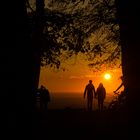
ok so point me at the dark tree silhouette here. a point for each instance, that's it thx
(37, 36)
(129, 30)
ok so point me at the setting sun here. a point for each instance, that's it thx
(107, 76)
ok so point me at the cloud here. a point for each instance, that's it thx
(89, 76)
(76, 77)
(81, 77)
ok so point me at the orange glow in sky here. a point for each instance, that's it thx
(77, 76)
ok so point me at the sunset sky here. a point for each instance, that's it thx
(76, 76)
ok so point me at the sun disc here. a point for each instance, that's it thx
(107, 76)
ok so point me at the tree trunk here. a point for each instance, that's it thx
(127, 12)
(24, 61)
(37, 40)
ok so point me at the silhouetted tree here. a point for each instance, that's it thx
(129, 34)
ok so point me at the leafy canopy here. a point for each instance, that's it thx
(78, 26)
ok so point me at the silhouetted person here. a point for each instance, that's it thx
(89, 90)
(44, 98)
(101, 95)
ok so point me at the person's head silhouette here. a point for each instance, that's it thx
(42, 87)
(101, 84)
(90, 81)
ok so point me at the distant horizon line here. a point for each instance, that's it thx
(67, 91)
(70, 92)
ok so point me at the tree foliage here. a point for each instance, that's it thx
(73, 26)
